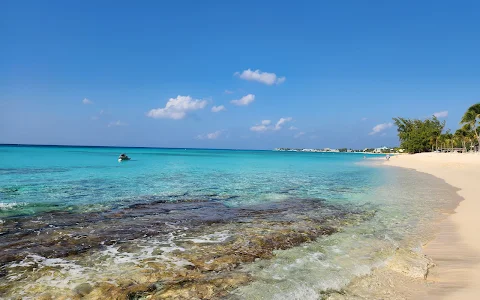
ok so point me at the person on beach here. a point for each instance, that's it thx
(387, 157)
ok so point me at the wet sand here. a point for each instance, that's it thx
(455, 251)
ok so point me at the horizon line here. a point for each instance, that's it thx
(110, 146)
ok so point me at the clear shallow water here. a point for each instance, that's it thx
(203, 223)
(42, 178)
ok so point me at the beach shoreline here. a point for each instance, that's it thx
(455, 249)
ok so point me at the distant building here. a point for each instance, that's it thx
(381, 149)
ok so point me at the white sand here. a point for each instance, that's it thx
(456, 249)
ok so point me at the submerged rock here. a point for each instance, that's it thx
(191, 250)
(410, 263)
(83, 289)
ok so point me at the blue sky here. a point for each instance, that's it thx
(329, 71)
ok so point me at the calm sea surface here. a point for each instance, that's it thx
(188, 223)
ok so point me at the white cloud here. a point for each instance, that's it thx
(292, 128)
(219, 108)
(265, 125)
(259, 128)
(441, 114)
(299, 134)
(245, 100)
(117, 123)
(228, 92)
(281, 80)
(210, 136)
(87, 101)
(363, 119)
(177, 108)
(262, 127)
(263, 77)
(281, 122)
(380, 127)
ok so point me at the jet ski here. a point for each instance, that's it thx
(123, 157)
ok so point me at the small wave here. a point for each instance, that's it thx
(213, 238)
(63, 273)
(9, 205)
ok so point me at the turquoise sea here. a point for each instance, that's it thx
(204, 224)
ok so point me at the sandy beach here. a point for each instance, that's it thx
(456, 248)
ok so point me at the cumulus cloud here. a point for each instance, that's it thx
(177, 108)
(259, 128)
(87, 101)
(210, 136)
(245, 100)
(228, 92)
(281, 122)
(219, 108)
(441, 114)
(380, 127)
(263, 77)
(299, 134)
(266, 125)
(292, 128)
(117, 123)
(281, 80)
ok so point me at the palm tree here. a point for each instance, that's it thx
(469, 136)
(461, 136)
(471, 139)
(471, 118)
(448, 138)
(441, 140)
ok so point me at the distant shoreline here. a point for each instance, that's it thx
(185, 148)
(331, 151)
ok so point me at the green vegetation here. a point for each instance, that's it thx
(418, 135)
(471, 121)
(426, 135)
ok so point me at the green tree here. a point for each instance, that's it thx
(448, 138)
(418, 135)
(460, 136)
(471, 119)
(465, 135)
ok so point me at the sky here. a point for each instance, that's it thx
(233, 74)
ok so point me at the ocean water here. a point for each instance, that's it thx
(45, 178)
(190, 223)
